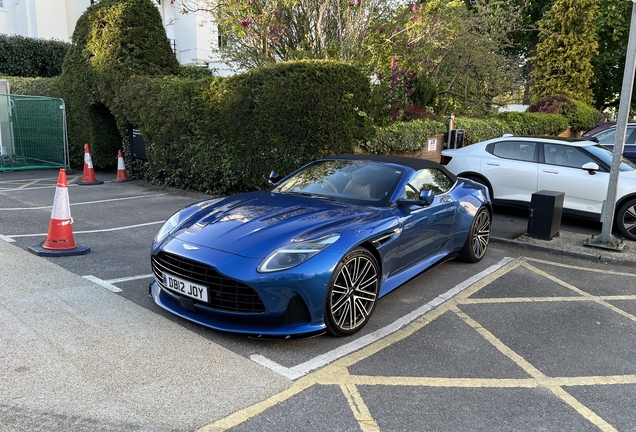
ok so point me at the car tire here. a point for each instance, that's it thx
(626, 219)
(352, 294)
(478, 237)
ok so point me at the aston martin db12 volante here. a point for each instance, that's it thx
(315, 251)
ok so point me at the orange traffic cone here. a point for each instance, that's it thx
(89, 172)
(121, 169)
(59, 240)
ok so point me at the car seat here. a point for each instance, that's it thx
(361, 184)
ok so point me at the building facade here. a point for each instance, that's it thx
(193, 38)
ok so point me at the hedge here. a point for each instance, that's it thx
(29, 57)
(405, 137)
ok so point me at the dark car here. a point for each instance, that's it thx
(606, 138)
(316, 251)
(598, 128)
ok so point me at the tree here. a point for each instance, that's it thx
(612, 27)
(451, 51)
(567, 43)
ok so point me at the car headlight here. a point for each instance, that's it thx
(295, 254)
(168, 226)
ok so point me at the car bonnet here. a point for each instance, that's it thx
(255, 224)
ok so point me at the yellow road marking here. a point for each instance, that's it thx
(338, 374)
(552, 263)
(582, 409)
(359, 409)
(245, 414)
(543, 299)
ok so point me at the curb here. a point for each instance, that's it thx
(603, 258)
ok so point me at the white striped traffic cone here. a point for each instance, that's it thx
(121, 169)
(89, 173)
(59, 241)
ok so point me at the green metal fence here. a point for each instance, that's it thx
(32, 133)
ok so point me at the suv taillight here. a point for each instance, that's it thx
(444, 160)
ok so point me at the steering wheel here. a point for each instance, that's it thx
(326, 184)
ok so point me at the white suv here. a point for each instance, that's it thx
(513, 168)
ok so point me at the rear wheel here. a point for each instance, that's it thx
(478, 238)
(626, 219)
(352, 294)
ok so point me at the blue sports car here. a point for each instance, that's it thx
(317, 250)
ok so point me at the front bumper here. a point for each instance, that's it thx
(293, 300)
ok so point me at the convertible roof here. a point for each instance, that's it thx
(414, 163)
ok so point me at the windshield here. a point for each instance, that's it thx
(354, 181)
(605, 155)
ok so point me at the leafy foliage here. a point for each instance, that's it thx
(288, 114)
(567, 43)
(580, 116)
(612, 28)
(29, 57)
(454, 51)
(403, 137)
(113, 40)
(513, 123)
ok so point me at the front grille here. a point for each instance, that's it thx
(224, 293)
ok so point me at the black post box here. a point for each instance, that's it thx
(546, 209)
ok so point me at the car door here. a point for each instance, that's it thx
(511, 168)
(425, 229)
(560, 170)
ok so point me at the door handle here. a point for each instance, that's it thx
(550, 171)
(493, 163)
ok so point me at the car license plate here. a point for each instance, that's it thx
(187, 288)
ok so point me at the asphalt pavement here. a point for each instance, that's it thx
(73, 356)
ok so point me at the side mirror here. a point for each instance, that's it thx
(593, 139)
(425, 199)
(591, 168)
(274, 178)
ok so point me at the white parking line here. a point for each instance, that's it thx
(109, 284)
(5, 237)
(302, 369)
(102, 283)
(83, 203)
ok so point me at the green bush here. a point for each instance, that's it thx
(477, 130)
(113, 41)
(403, 137)
(580, 116)
(34, 86)
(287, 114)
(533, 123)
(29, 57)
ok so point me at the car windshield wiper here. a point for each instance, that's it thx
(311, 195)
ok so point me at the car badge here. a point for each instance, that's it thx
(190, 247)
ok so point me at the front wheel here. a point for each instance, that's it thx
(626, 219)
(352, 294)
(477, 242)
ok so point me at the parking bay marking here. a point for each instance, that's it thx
(302, 369)
(109, 284)
(11, 237)
(82, 203)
